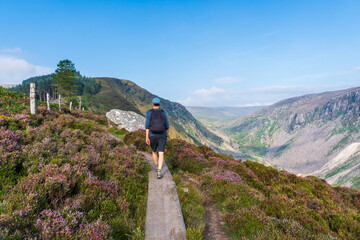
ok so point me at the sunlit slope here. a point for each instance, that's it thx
(261, 202)
(182, 123)
(303, 134)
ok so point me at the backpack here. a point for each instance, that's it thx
(157, 121)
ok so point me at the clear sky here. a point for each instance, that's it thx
(199, 53)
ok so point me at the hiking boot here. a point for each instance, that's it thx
(155, 166)
(159, 175)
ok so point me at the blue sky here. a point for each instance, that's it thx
(199, 53)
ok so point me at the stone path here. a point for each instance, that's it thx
(164, 219)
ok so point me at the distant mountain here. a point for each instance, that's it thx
(217, 114)
(217, 118)
(311, 134)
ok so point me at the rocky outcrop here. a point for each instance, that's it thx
(129, 120)
(305, 134)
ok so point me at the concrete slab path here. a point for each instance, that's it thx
(164, 219)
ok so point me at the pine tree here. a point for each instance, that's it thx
(64, 76)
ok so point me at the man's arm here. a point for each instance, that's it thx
(166, 125)
(147, 126)
(147, 137)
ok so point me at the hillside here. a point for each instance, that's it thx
(103, 94)
(216, 119)
(182, 123)
(216, 115)
(305, 133)
(255, 201)
(62, 176)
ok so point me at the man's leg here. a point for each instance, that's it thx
(155, 157)
(161, 159)
(161, 149)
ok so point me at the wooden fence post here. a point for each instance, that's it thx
(32, 99)
(59, 103)
(48, 101)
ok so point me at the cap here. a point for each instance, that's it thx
(156, 100)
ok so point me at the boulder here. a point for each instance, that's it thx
(129, 120)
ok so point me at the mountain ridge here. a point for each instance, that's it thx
(182, 123)
(302, 134)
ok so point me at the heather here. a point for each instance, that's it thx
(137, 139)
(63, 176)
(260, 202)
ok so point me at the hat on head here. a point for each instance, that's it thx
(156, 100)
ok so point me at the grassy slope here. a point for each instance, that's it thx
(110, 97)
(261, 202)
(182, 123)
(63, 177)
(262, 134)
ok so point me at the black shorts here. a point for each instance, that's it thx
(158, 143)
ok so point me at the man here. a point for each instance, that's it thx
(157, 133)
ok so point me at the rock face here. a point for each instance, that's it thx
(131, 121)
(312, 134)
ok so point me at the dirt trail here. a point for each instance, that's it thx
(214, 224)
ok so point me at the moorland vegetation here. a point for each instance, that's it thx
(257, 201)
(63, 176)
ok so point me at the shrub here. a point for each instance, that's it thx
(137, 138)
(260, 202)
(226, 175)
(64, 177)
(11, 102)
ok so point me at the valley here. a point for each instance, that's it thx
(315, 134)
(305, 135)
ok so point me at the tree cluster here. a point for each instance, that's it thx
(65, 81)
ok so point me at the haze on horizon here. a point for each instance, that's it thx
(199, 53)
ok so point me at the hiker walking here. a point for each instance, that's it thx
(157, 132)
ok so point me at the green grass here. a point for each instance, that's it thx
(119, 133)
(252, 143)
(191, 201)
(260, 202)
